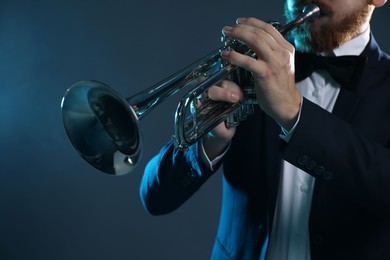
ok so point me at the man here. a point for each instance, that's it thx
(307, 176)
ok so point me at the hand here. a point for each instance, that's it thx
(273, 70)
(215, 141)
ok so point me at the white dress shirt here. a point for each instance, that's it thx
(290, 231)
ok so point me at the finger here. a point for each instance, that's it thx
(258, 40)
(244, 61)
(225, 91)
(261, 37)
(267, 27)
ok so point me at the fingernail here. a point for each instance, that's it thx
(239, 20)
(234, 96)
(227, 29)
(225, 53)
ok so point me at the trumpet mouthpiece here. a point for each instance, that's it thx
(311, 11)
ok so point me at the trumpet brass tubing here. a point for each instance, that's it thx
(104, 128)
(187, 133)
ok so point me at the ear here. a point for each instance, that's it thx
(377, 3)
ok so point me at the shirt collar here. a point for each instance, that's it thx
(355, 46)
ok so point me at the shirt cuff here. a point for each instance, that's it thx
(285, 134)
(205, 159)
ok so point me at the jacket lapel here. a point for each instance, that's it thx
(347, 100)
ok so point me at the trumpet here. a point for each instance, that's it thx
(104, 128)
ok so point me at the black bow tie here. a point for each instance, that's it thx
(345, 70)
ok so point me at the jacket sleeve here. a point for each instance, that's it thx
(338, 154)
(171, 177)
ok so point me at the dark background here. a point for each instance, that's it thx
(53, 205)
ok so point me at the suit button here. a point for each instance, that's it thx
(328, 176)
(310, 165)
(302, 160)
(319, 170)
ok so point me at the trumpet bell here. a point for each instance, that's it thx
(102, 127)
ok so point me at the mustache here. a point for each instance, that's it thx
(295, 9)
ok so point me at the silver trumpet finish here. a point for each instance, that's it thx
(104, 128)
(193, 122)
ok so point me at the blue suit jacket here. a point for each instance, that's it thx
(348, 152)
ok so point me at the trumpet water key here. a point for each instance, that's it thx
(104, 128)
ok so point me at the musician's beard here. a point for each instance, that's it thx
(320, 36)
